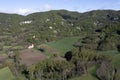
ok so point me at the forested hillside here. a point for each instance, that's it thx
(61, 45)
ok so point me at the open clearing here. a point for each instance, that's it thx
(5, 74)
(30, 57)
(48, 51)
(64, 44)
(116, 61)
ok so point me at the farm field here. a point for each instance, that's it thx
(6, 74)
(64, 44)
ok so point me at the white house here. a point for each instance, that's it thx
(31, 46)
(26, 22)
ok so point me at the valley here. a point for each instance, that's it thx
(60, 45)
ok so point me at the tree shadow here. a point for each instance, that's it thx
(68, 55)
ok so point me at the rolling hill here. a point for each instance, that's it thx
(55, 32)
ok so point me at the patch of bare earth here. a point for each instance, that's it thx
(30, 57)
(3, 57)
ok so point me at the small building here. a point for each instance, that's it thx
(31, 46)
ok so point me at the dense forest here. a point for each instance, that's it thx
(60, 45)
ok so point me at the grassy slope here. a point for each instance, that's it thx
(116, 61)
(5, 74)
(49, 51)
(64, 44)
(111, 52)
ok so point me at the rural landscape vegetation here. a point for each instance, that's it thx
(60, 45)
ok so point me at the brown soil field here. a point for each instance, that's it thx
(30, 57)
(3, 57)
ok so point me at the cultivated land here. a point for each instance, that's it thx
(29, 57)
